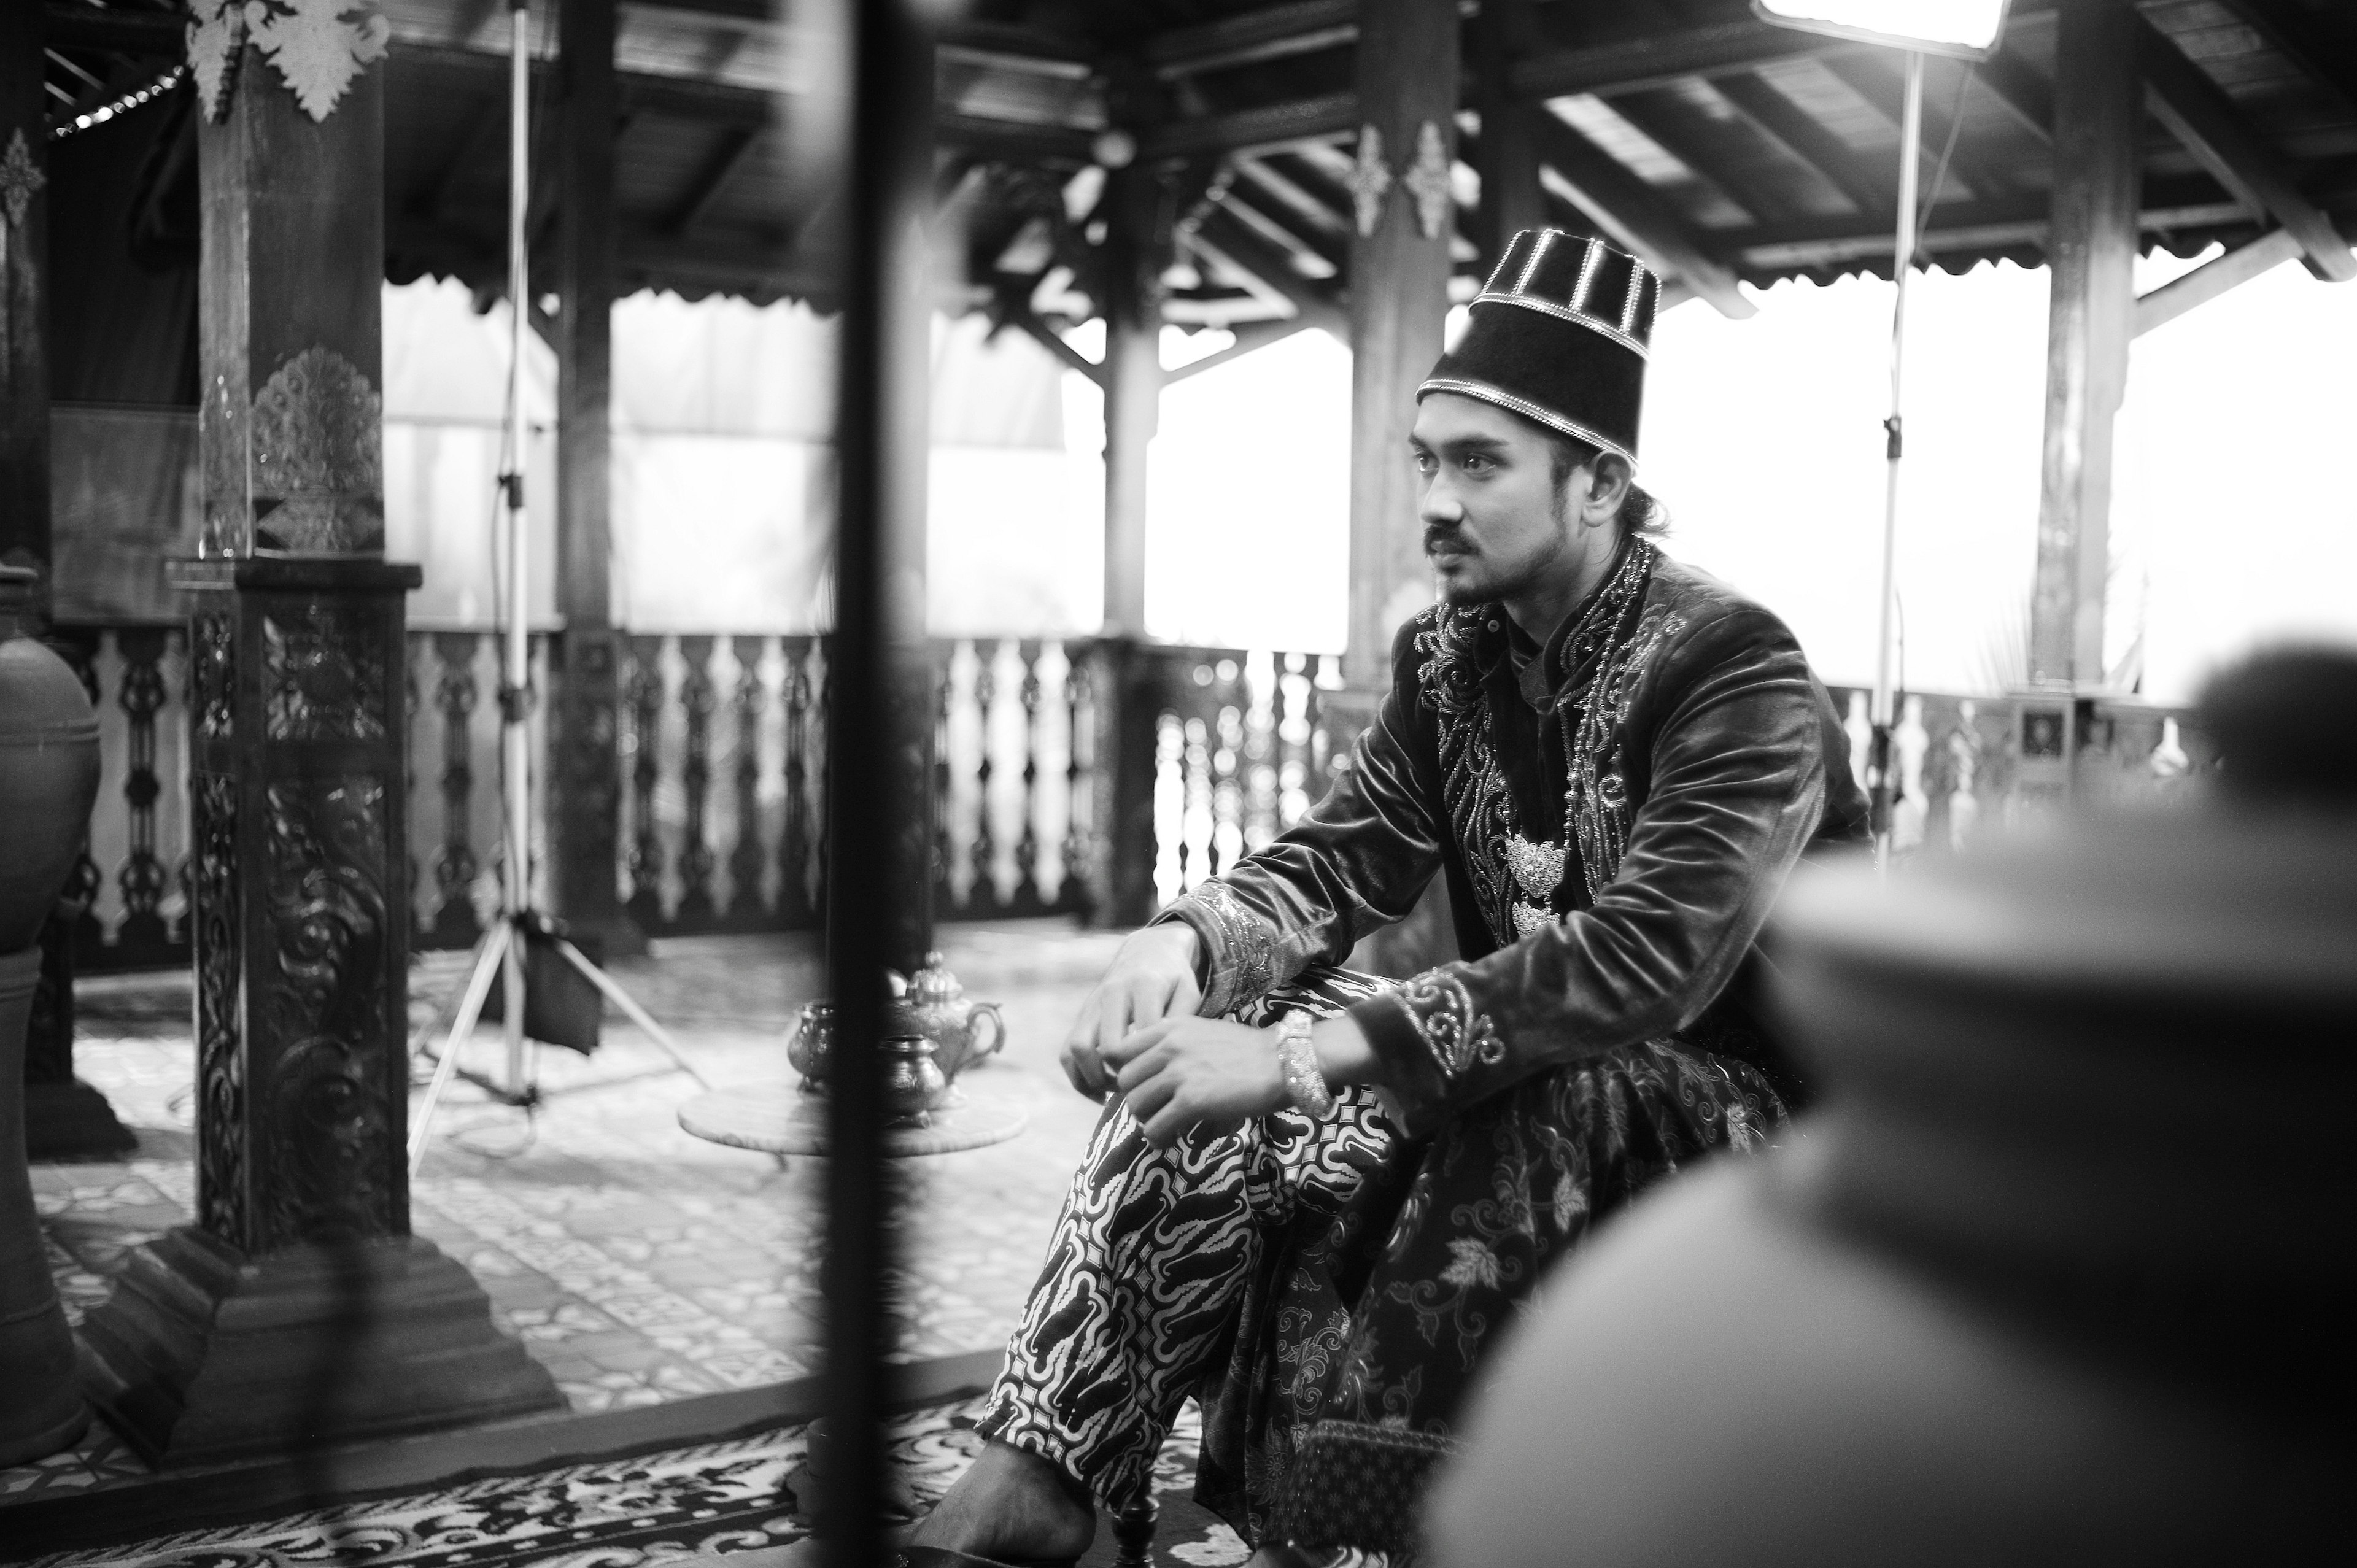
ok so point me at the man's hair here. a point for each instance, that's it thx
(1639, 512)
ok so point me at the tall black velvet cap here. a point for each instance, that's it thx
(1559, 336)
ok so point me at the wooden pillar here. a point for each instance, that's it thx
(1133, 389)
(64, 1118)
(1511, 197)
(1406, 76)
(298, 1310)
(2098, 115)
(585, 775)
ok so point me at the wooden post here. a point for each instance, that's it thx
(64, 1118)
(2098, 117)
(1511, 198)
(1132, 390)
(1407, 67)
(298, 1310)
(1399, 304)
(585, 761)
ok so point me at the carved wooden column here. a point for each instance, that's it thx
(1407, 68)
(2098, 124)
(64, 1118)
(299, 1309)
(1511, 198)
(585, 781)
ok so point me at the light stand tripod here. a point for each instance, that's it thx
(502, 950)
(1883, 794)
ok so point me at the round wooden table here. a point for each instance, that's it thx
(791, 1121)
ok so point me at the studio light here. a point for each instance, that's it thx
(1968, 29)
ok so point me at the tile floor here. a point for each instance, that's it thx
(637, 1263)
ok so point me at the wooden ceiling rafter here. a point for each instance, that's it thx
(1636, 215)
(1226, 237)
(2321, 43)
(729, 157)
(1672, 127)
(1880, 82)
(2200, 114)
(1869, 189)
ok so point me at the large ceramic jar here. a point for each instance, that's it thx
(48, 777)
(2061, 1272)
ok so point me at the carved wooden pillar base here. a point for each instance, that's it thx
(299, 1310)
(204, 1353)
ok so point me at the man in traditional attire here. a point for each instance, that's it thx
(1316, 1197)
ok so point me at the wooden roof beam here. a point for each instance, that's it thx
(1658, 60)
(2214, 277)
(2322, 43)
(729, 156)
(1869, 189)
(1670, 126)
(1246, 133)
(2199, 114)
(1875, 79)
(1636, 216)
(1276, 32)
(1223, 237)
(2014, 84)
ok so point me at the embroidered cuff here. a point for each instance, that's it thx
(1427, 1034)
(1244, 956)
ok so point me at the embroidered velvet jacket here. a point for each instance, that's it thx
(1717, 761)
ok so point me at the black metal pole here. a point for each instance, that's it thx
(877, 785)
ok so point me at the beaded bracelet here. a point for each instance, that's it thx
(1297, 1059)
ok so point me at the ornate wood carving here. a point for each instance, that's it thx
(143, 878)
(745, 861)
(454, 863)
(220, 1074)
(697, 699)
(319, 688)
(332, 1152)
(645, 689)
(795, 890)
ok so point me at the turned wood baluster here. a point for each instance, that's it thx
(746, 861)
(696, 699)
(455, 925)
(793, 838)
(413, 653)
(1026, 844)
(984, 895)
(1133, 1533)
(142, 878)
(645, 689)
(1073, 894)
(941, 860)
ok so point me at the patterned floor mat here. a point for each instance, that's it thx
(711, 1500)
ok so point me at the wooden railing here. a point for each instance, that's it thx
(1094, 780)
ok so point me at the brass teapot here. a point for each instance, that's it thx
(935, 1008)
(931, 1006)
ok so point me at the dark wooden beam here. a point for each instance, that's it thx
(2098, 120)
(1671, 126)
(727, 158)
(1013, 307)
(1247, 132)
(1869, 189)
(1637, 217)
(1658, 60)
(2199, 114)
(2321, 43)
(1275, 32)
(2214, 277)
(2014, 84)
(2182, 202)
(1330, 222)
(1512, 198)
(1315, 256)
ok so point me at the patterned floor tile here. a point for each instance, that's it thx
(637, 1263)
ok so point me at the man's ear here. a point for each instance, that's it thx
(1609, 478)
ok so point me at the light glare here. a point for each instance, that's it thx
(1968, 28)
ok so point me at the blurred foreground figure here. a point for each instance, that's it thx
(2060, 1274)
(1314, 1227)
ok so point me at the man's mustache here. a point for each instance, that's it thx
(1439, 539)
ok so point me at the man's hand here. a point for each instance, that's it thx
(1152, 978)
(1196, 1072)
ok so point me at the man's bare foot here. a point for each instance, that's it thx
(1011, 1504)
